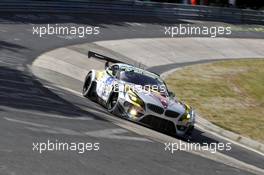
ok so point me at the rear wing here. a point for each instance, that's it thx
(102, 57)
(109, 59)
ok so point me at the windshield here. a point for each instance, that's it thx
(143, 80)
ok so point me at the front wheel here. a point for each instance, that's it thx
(112, 104)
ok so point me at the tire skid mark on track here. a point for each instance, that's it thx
(105, 133)
(42, 114)
(32, 99)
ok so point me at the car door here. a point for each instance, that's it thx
(105, 86)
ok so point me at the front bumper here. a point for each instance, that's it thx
(156, 119)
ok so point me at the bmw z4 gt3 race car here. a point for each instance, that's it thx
(138, 95)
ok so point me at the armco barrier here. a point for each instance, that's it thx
(126, 7)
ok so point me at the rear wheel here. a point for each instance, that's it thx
(89, 87)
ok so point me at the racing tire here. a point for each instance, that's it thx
(89, 87)
(112, 104)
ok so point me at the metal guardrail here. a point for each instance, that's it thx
(126, 7)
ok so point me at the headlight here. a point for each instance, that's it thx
(188, 115)
(135, 99)
(132, 96)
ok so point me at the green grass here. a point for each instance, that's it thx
(230, 94)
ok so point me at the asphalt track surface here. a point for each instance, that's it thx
(30, 112)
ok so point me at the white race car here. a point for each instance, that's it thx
(140, 96)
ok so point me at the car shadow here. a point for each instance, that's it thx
(197, 136)
(20, 91)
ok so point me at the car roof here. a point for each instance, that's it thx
(128, 67)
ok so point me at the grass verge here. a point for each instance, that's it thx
(230, 94)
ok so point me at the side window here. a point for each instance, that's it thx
(120, 74)
(115, 69)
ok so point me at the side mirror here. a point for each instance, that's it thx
(171, 94)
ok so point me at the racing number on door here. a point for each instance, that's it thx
(107, 87)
